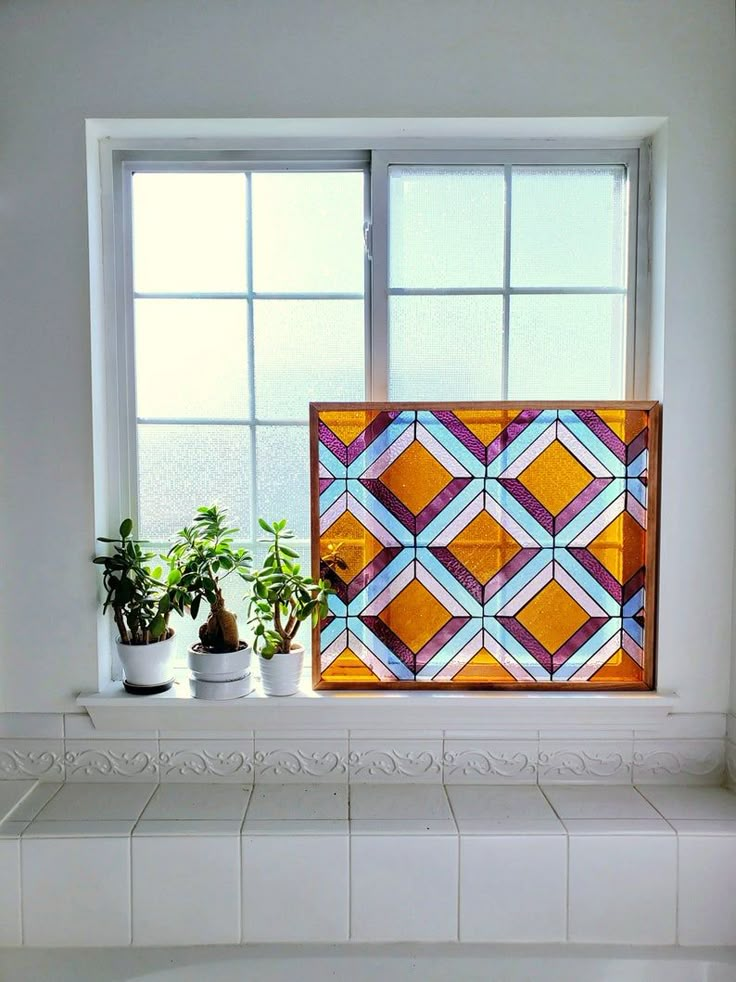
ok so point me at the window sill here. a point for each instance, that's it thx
(114, 709)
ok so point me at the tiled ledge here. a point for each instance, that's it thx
(110, 865)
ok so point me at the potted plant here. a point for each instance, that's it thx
(141, 603)
(281, 599)
(206, 555)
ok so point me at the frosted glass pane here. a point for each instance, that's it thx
(446, 227)
(566, 347)
(282, 465)
(308, 233)
(445, 348)
(183, 467)
(191, 358)
(189, 233)
(307, 350)
(568, 226)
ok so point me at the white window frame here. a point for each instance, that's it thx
(112, 157)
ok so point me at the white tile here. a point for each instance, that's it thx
(10, 931)
(197, 801)
(617, 826)
(295, 826)
(485, 736)
(402, 826)
(186, 890)
(11, 793)
(76, 892)
(208, 760)
(280, 761)
(40, 795)
(395, 760)
(707, 899)
(111, 760)
(688, 802)
(298, 801)
(97, 801)
(494, 810)
(599, 801)
(41, 760)
(513, 888)
(731, 727)
(703, 826)
(404, 888)
(189, 826)
(573, 761)
(33, 726)
(491, 761)
(12, 830)
(79, 828)
(622, 889)
(296, 888)
(78, 726)
(395, 801)
(679, 761)
(687, 726)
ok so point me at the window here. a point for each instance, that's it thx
(248, 284)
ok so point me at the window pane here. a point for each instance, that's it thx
(282, 455)
(307, 350)
(567, 226)
(183, 467)
(308, 232)
(445, 347)
(566, 347)
(191, 358)
(446, 227)
(189, 233)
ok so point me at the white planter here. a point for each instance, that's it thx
(219, 666)
(282, 673)
(147, 666)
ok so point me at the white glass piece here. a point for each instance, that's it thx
(566, 347)
(568, 226)
(308, 232)
(181, 467)
(191, 358)
(189, 233)
(446, 227)
(445, 348)
(307, 350)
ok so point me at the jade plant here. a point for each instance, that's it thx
(206, 555)
(140, 599)
(281, 596)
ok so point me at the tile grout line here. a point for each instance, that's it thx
(459, 857)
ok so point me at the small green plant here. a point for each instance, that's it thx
(140, 600)
(205, 554)
(281, 596)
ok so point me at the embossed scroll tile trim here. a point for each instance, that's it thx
(39, 759)
(417, 761)
(121, 760)
(210, 761)
(491, 762)
(607, 762)
(280, 762)
(679, 761)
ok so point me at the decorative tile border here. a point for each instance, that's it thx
(491, 762)
(207, 761)
(280, 761)
(603, 761)
(39, 759)
(679, 761)
(385, 761)
(115, 760)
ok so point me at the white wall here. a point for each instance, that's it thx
(64, 60)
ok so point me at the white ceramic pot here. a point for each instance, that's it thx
(219, 666)
(147, 666)
(281, 674)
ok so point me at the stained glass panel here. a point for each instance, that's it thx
(488, 545)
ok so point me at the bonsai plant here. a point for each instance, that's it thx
(281, 599)
(206, 555)
(141, 603)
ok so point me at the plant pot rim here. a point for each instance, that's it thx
(200, 652)
(151, 644)
(296, 648)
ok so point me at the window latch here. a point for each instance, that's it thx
(368, 239)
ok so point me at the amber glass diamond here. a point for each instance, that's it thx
(620, 547)
(555, 477)
(350, 541)
(416, 477)
(486, 424)
(483, 667)
(552, 616)
(484, 547)
(415, 615)
(346, 425)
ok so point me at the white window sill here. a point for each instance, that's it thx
(114, 709)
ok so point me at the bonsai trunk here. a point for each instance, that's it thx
(220, 631)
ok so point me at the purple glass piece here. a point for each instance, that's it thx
(578, 639)
(604, 433)
(371, 571)
(430, 649)
(639, 443)
(445, 496)
(369, 434)
(333, 444)
(453, 566)
(460, 431)
(384, 634)
(527, 501)
(390, 502)
(508, 572)
(580, 501)
(599, 572)
(507, 436)
(535, 648)
(632, 587)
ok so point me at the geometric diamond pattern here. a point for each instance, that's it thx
(491, 545)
